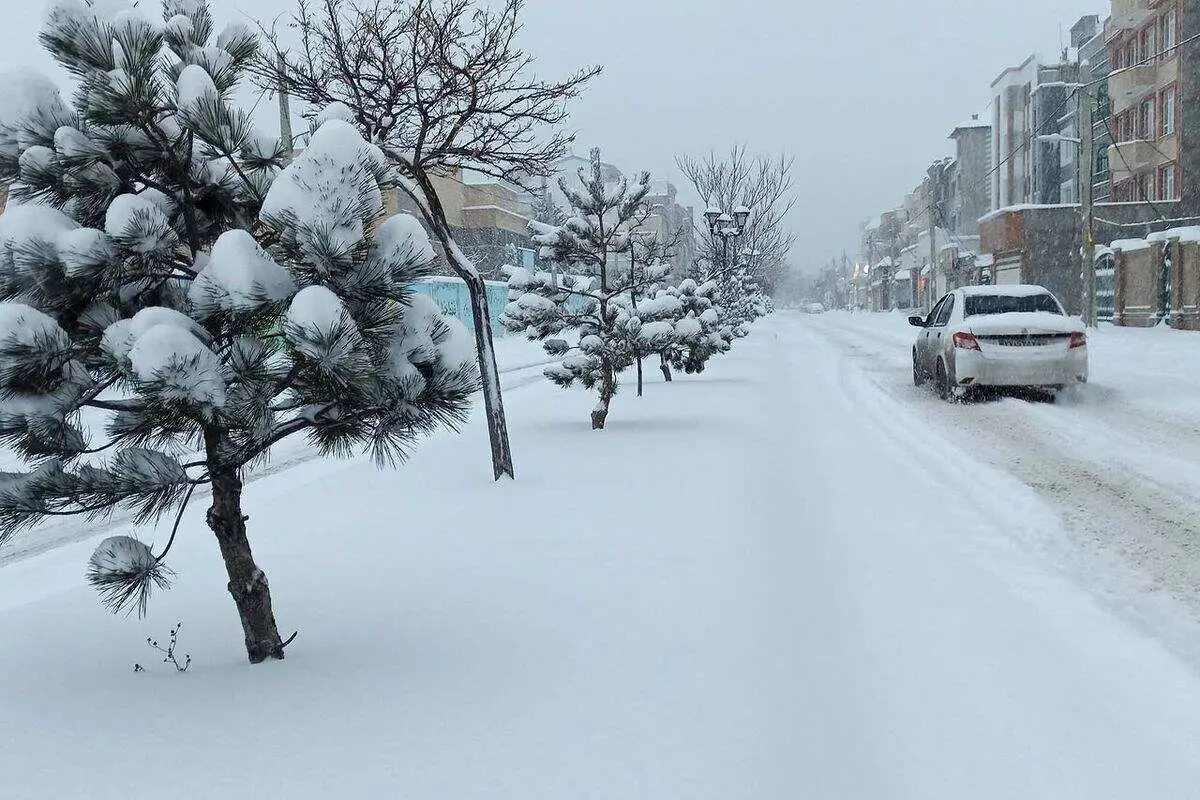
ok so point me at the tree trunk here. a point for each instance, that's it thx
(639, 367)
(247, 583)
(665, 366)
(493, 401)
(608, 388)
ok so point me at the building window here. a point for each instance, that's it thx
(1146, 127)
(1145, 186)
(1168, 30)
(1168, 190)
(1168, 112)
(1148, 41)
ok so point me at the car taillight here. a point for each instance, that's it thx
(1078, 340)
(966, 341)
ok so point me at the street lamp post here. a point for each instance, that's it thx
(726, 227)
(1085, 167)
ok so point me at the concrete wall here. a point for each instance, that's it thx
(1140, 270)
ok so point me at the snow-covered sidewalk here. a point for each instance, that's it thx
(755, 584)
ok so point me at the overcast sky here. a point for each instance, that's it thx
(863, 94)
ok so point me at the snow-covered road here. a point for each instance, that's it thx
(778, 580)
(1117, 461)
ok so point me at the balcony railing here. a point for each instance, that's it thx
(1128, 15)
(1127, 86)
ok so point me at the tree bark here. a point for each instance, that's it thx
(493, 401)
(608, 388)
(665, 367)
(639, 370)
(247, 583)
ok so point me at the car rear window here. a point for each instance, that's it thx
(981, 305)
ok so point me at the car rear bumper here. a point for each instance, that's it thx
(973, 368)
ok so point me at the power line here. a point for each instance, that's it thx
(1143, 62)
(1131, 170)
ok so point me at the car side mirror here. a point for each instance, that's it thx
(917, 321)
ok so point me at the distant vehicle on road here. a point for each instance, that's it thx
(814, 308)
(999, 336)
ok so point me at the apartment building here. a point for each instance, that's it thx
(970, 196)
(1088, 35)
(1012, 126)
(1154, 132)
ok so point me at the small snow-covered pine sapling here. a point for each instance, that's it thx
(595, 246)
(698, 332)
(650, 252)
(174, 302)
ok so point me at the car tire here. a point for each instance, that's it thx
(942, 382)
(919, 377)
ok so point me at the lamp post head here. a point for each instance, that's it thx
(711, 216)
(741, 216)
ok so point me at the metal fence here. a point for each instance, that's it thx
(453, 299)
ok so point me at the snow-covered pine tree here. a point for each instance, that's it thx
(739, 301)
(595, 243)
(650, 254)
(545, 209)
(698, 331)
(173, 304)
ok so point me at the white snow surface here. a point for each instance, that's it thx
(652, 331)
(316, 307)
(400, 235)
(188, 370)
(318, 186)
(120, 337)
(24, 324)
(809, 630)
(127, 212)
(28, 222)
(195, 86)
(240, 275)
(24, 92)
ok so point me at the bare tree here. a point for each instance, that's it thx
(439, 85)
(763, 184)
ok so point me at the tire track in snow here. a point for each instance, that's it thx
(1121, 481)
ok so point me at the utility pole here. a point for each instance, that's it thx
(1086, 154)
(931, 284)
(285, 114)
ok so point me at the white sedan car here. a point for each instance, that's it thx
(999, 336)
